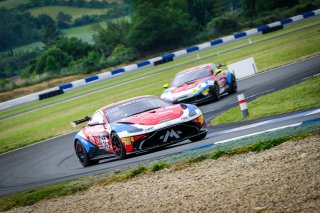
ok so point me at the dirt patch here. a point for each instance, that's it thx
(283, 179)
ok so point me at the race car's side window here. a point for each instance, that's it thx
(213, 68)
(96, 118)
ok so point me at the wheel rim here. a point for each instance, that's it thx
(117, 146)
(80, 152)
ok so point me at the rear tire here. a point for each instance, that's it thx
(83, 155)
(216, 92)
(233, 86)
(198, 137)
(118, 147)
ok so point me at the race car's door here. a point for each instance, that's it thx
(97, 132)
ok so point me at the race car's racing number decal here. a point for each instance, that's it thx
(104, 141)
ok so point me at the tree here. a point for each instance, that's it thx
(63, 20)
(51, 60)
(229, 23)
(107, 38)
(254, 7)
(51, 34)
(204, 10)
(249, 7)
(17, 29)
(43, 21)
(159, 25)
(74, 47)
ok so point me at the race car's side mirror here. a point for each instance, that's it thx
(166, 86)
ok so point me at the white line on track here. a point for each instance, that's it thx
(258, 133)
(276, 120)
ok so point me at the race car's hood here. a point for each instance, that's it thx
(155, 116)
(186, 86)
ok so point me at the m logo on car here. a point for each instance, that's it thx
(170, 133)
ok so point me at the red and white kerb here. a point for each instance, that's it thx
(243, 105)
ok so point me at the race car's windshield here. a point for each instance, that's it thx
(187, 77)
(133, 107)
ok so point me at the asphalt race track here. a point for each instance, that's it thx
(54, 160)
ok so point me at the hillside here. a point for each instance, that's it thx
(75, 12)
(15, 3)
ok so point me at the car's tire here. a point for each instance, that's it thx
(198, 137)
(233, 86)
(83, 155)
(118, 147)
(216, 91)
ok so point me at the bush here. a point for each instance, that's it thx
(121, 54)
(227, 24)
(305, 7)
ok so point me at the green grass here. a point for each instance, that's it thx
(13, 3)
(71, 187)
(301, 96)
(29, 47)
(47, 122)
(75, 12)
(33, 196)
(85, 33)
(157, 166)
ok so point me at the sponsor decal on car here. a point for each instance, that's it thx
(170, 133)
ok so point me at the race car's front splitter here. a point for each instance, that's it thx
(169, 135)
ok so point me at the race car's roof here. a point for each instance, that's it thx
(126, 100)
(192, 69)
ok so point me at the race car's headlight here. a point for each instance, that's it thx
(194, 112)
(203, 84)
(167, 95)
(134, 130)
(127, 139)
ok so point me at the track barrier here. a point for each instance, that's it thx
(50, 94)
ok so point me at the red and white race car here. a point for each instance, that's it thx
(200, 84)
(136, 125)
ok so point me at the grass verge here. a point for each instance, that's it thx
(75, 12)
(71, 187)
(33, 196)
(301, 96)
(48, 122)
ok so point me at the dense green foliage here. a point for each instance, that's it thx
(76, 3)
(154, 26)
(17, 29)
(157, 26)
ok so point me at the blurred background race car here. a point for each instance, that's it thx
(136, 125)
(200, 84)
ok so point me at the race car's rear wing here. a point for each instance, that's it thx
(76, 122)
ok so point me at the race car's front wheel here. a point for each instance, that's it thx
(118, 147)
(83, 156)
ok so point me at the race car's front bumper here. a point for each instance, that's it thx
(168, 135)
(201, 97)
